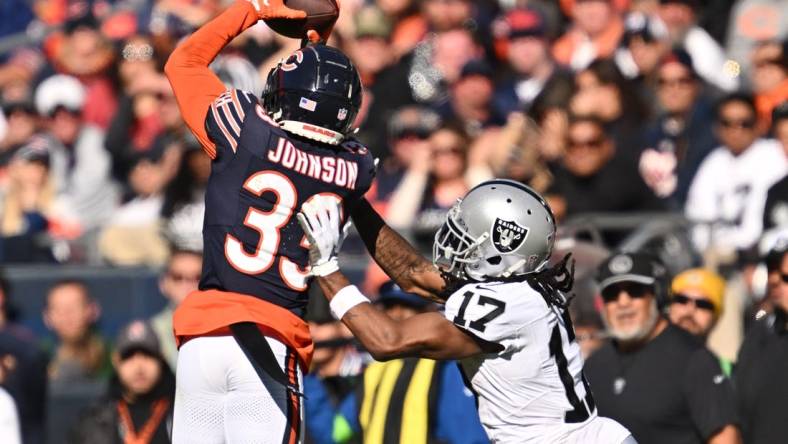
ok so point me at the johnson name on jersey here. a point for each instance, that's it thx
(260, 177)
(536, 377)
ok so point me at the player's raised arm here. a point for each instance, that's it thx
(398, 258)
(428, 335)
(194, 84)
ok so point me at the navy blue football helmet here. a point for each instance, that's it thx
(315, 93)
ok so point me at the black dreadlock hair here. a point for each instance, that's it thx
(552, 283)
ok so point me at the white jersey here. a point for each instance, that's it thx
(728, 194)
(534, 387)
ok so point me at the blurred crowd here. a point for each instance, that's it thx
(653, 125)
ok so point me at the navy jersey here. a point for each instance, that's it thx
(260, 177)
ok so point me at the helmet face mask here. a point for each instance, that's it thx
(453, 247)
(499, 229)
(314, 93)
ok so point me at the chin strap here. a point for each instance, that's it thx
(512, 268)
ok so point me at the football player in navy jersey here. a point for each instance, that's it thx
(243, 344)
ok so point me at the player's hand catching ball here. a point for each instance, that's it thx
(320, 220)
(275, 9)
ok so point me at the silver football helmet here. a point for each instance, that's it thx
(499, 229)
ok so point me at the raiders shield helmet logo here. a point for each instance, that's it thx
(508, 236)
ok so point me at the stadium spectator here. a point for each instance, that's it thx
(708, 57)
(181, 276)
(370, 48)
(470, 101)
(28, 196)
(84, 52)
(433, 65)
(775, 213)
(86, 195)
(80, 353)
(521, 40)
(184, 198)
(643, 45)
(444, 15)
(603, 92)
(697, 303)
(760, 376)
(437, 403)
(22, 369)
(138, 405)
(769, 77)
(515, 151)
(373, 54)
(133, 236)
(653, 373)
(437, 174)
(20, 116)
(145, 93)
(681, 137)
(595, 177)
(730, 211)
(408, 131)
(594, 33)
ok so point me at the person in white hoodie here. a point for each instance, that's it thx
(86, 194)
(727, 196)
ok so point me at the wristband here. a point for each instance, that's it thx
(345, 299)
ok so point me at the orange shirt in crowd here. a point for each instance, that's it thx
(605, 43)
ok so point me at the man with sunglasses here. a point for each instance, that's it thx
(652, 373)
(696, 301)
(696, 304)
(761, 382)
(596, 175)
(727, 195)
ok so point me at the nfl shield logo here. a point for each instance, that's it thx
(342, 114)
(508, 236)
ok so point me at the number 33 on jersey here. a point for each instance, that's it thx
(260, 177)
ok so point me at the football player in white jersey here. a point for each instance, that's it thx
(505, 317)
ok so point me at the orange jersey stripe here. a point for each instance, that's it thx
(294, 422)
(204, 312)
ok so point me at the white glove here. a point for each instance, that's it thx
(320, 221)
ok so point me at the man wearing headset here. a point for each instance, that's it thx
(654, 378)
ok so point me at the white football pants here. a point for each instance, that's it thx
(597, 430)
(221, 398)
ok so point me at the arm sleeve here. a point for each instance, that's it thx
(226, 116)
(709, 395)
(456, 401)
(194, 84)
